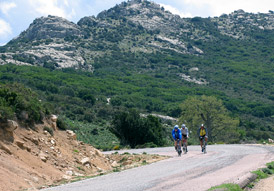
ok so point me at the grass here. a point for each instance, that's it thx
(228, 187)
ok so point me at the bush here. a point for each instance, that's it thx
(131, 129)
(61, 124)
(48, 130)
(260, 174)
(21, 101)
(116, 147)
(267, 171)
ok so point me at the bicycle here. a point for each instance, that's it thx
(204, 146)
(184, 146)
(178, 148)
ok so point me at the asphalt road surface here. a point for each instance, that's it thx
(194, 171)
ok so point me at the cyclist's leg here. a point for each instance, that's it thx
(175, 145)
(201, 142)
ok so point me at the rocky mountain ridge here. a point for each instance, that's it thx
(133, 26)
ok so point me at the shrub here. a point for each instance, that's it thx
(267, 171)
(116, 147)
(21, 101)
(131, 129)
(260, 174)
(48, 130)
(61, 124)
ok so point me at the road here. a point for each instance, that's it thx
(194, 171)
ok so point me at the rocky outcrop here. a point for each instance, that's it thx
(7, 129)
(51, 27)
(53, 120)
(132, 26)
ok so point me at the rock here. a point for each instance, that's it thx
(71, 135)
(85, 161)
(270, 140)
(35, 179)
(5, 148)
(53, 118)
(78, 174)
(11, 126)
(114, 164)
(70, 173)
(66, 177)
(28, 148)
(53, 142)
(35, 141)
(20, 144)
(246, 179)
(43, 156)
(99, 153)
(47, 133)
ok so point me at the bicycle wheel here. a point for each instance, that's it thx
(179, 148)
(184, 147)
(204, 146)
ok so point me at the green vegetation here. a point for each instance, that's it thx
(134, 130)
(50, 130)
(131, 72)
(17, 101)
(212, 113)
(261, 174)
(265, 172)
(97, 135)
(227, 187)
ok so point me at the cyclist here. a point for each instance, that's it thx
(184, 131)
(202, 133)
(177, 134)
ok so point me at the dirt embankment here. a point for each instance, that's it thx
(35, 158)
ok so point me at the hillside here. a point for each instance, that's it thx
(43, 157)
(137, 55)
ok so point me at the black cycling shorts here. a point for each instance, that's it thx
(184, 136)
(201, 137)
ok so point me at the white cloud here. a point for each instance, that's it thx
(211, 8)
(5, 28)
(6, 6)
(51, 7)
(175, 11)
(66, 3)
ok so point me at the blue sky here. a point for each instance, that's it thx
(17, 15)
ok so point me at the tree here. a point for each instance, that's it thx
(211, 112)
(135, 130)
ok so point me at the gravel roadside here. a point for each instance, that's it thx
(265, 185)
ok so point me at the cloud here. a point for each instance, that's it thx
(6, 6)
(5, 28)
(52, 7)
(211, 8)
(175, 11)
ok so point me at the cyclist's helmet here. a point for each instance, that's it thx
(202, 125)
(183, 126)
(176, 127)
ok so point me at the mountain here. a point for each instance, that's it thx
(138, 55)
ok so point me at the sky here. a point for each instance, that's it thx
(17, 15)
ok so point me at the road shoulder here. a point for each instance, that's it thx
(264, 184)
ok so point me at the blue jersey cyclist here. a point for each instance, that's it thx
(177, 135)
